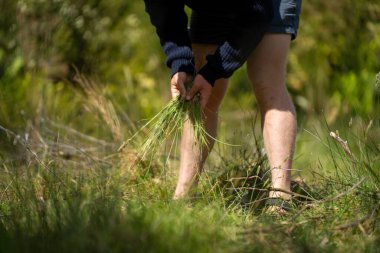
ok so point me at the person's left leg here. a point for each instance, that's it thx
(267, 73)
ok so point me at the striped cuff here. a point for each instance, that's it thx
(179, 58)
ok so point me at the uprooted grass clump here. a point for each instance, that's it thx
(169, 122)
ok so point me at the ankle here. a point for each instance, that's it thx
(280, 193)
(183, 190)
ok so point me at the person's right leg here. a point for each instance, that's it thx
(193, 157)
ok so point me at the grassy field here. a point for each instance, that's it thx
(64, 187)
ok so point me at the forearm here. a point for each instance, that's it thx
(170, 20)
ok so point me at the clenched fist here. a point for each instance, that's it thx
(203, 87)
(178, 84)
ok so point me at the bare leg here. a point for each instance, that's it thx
(267, 73)
(193, 158)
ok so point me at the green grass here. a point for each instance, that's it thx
(169, 123)
(56, 206)
(65, 188)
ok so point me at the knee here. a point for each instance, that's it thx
(212, 106)
(268, 89)
(216, 97)
(272, 94)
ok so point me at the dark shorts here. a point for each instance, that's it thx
(213, 28)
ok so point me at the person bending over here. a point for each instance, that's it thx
(223, 35)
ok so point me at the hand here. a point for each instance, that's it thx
(178, 84)
(203, 87)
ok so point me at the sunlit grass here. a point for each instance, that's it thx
(64, 190)
(167, 123)
(51, 207)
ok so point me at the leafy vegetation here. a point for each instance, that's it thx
(77, 78)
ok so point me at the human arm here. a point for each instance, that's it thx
(170, 20)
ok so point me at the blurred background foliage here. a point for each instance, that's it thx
(332, 64)
(78, 77)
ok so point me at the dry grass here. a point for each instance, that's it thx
(96, 102)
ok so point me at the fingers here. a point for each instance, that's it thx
(181, 88)
(175, 92)
(191, 93)
(203, 87)
(178, 84)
